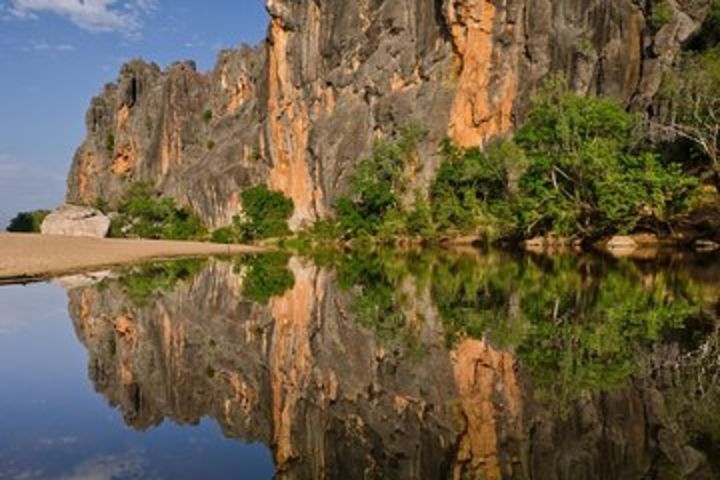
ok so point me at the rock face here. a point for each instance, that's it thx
(299, 111)
(76, 221)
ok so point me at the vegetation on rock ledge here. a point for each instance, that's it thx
(578, 168)
(265, 215)
(143, 213)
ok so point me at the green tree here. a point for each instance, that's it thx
(377, 186)
(28, 222)
(691, 103)
(266, 213)
(575, 169)
(472, 186)
(143, 213)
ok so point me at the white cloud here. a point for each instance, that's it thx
(43, 46)
(91, 15)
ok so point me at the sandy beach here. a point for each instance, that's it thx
(27, 257)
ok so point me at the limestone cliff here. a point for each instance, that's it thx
(300, 110)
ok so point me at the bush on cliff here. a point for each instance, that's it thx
(374, 206)
(475, 188)
(28, 222)
(265, 215)
(143, 213)
(709, 34)
(662, 14)
(691, 106)
(574, 169)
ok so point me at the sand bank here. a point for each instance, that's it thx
(26, 257)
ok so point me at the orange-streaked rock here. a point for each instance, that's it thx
(486, 87)
(289, 127)
(125, 159)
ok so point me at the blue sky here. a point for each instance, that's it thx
(57, 54)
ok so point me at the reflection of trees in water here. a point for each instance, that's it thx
(693, 391)
(577, 324)
(379, 367)
(142, 283)
(265, 276)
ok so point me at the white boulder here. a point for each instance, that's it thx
(74, 221)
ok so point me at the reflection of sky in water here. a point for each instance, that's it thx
(53, 424)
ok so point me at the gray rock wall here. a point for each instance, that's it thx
(299, 111)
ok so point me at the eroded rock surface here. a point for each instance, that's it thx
(299, 111)
(75, 221)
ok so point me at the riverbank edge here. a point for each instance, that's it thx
(30, 258)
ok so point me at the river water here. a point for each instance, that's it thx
(386, 364)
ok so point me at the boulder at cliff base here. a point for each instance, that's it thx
(76, 221)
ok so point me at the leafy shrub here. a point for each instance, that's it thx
(377, 186)
(225, 235)
(28, 222)
(662, 14)
(110, 143)
(207, 116)
(573, 169)
(265, 215)
(143, 213)
(471, 184)
(102, 205)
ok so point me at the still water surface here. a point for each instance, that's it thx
(375, 365)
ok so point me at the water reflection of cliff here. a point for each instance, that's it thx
(421, 366)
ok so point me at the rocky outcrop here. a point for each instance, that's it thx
(75, 221)
(300, 110)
